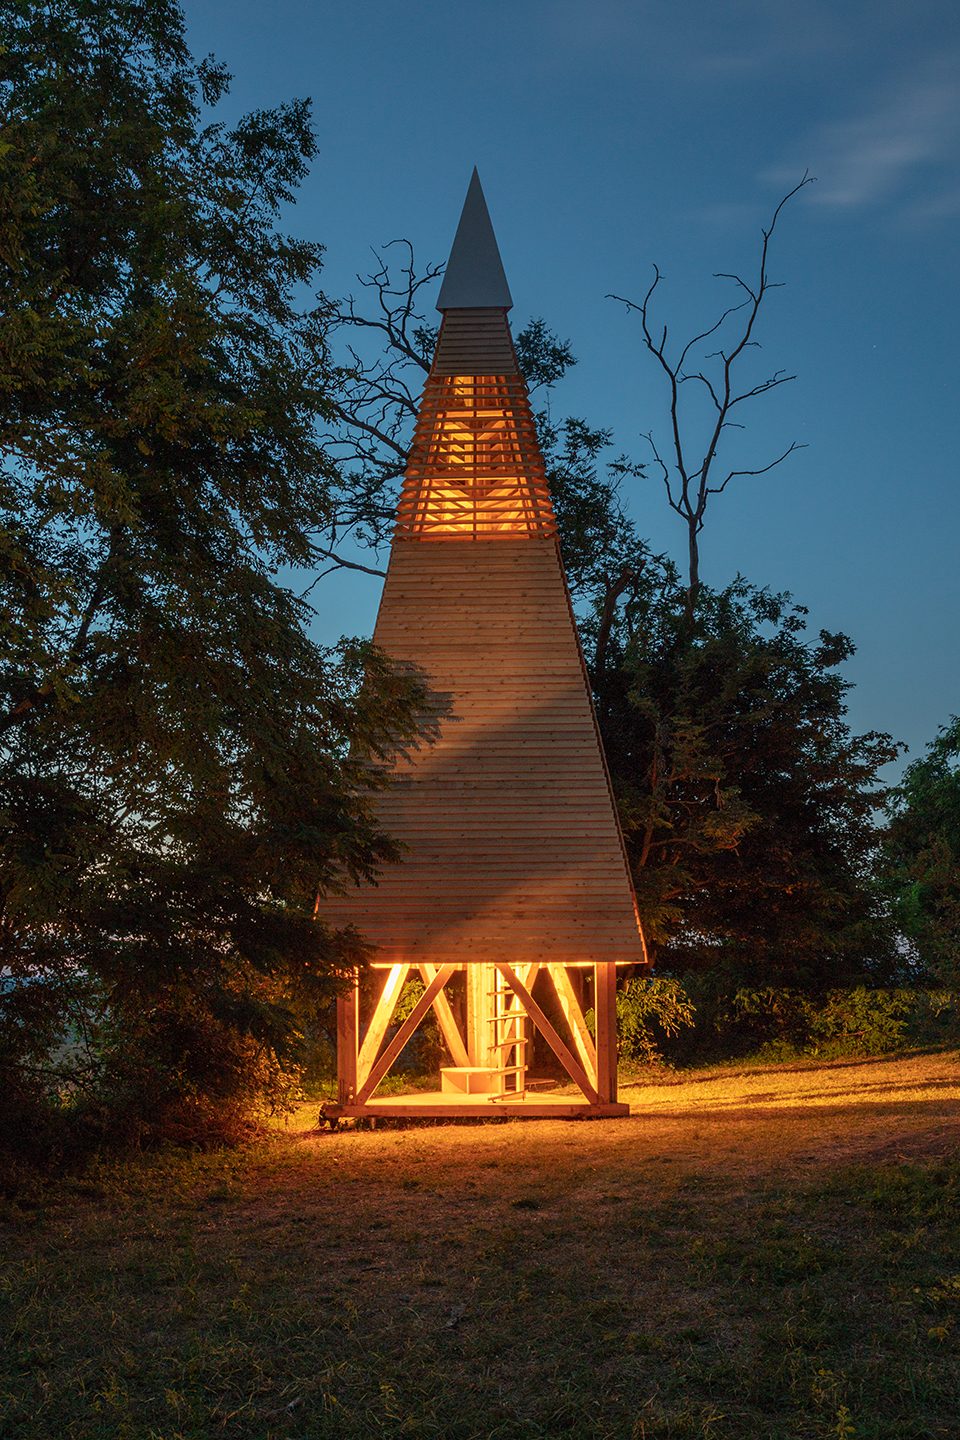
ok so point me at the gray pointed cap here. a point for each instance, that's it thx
(474, 278)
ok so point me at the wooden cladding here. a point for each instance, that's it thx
(475, 342)
(513, 847)
(475, 471)
(513, 851)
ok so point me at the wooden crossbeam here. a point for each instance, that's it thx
(569, 1062)
(380, 1020)
(406, 1030)
(573, 1014)
(446, 1019)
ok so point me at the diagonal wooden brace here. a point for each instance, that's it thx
(380, 1020)
(570, 1005)
(409, 1026)
(449, 1028)
(563, 1054)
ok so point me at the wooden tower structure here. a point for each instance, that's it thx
(513, 904)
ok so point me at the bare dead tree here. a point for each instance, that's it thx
(693, 475)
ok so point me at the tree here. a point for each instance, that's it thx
(691, 479)
(921, 855)
(181, 766)
(746, 801)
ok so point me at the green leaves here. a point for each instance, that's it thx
(181, 767)
(747, 803)
(921, 855)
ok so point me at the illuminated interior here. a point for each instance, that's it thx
(475, 469)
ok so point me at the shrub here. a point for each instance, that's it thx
(860, 1022)
(778, 1023)
(650, 1011)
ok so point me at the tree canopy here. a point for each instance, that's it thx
(746, 800)
(921, 866)
(181, 766)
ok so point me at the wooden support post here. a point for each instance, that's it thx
(348, 1040)
(605, 1009)
(481, 979)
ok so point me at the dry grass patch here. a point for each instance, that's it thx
(766, 1254)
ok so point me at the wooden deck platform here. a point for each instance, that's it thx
(444, 1104)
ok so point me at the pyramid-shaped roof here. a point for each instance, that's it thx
(474, 278)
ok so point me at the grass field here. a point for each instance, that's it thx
(768, 1254)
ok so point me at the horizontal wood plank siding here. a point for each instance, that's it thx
(475, 342)
(513, 849)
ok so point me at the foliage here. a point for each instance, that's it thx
(602, 551)
(861, 1021)
(855, 1021)
(181, 766)
(921, 855)
(746, 800)
(778, 1022)
(650, 1011)
(424, 1052)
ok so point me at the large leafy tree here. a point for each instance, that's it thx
(746, 799)
(181, 767)
(921, 862)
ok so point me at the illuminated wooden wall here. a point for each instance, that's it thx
(515, 861)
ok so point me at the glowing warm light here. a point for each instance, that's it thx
(475, 469)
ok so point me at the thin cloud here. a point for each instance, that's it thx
(943, 206)
(904, 148)
(752, 37)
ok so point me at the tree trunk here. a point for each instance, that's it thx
(693, 585)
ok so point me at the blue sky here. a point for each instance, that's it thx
(612, 134)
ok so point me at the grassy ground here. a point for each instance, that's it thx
(769, 1254)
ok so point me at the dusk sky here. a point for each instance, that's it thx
(611, 135)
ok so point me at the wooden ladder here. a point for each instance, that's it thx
(509, 1019)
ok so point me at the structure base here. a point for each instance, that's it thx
(444, 1105)
(488, 1075)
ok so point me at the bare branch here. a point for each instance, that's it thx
(737, 280)
(360, 424)
(340, 563)
(397, 305)
(777, 378)
(731, 310)
(705, 380)
(664, 472)
(794, 445)
(690, 497)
